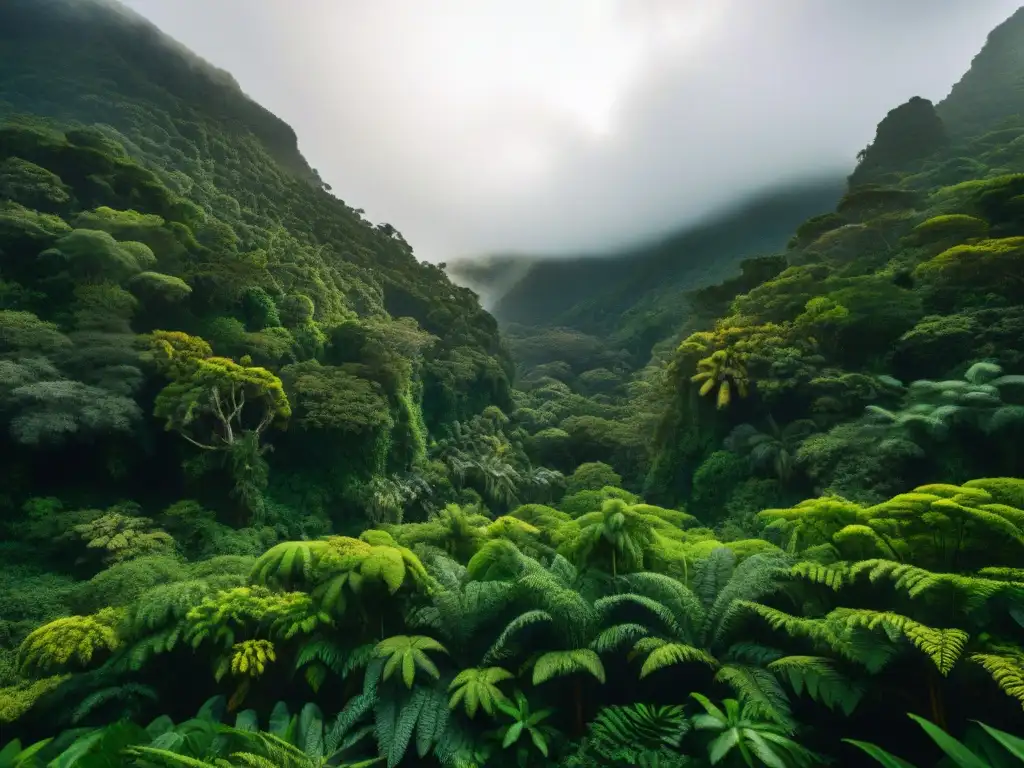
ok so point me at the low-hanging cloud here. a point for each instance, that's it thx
(566, 126)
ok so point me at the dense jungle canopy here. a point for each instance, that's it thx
(275, 493)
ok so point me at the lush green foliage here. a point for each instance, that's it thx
(255, 455)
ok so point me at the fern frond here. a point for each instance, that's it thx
(288, 564)
(754, 578)
(974, 591)
(833, 632)
(942, 646)
(639, 727)
(606, 605)
(713, 574)
(560, 663)
(833, 575)
(433, 720)
(1003, 574)
(615, 637)
(759, 690)
(395, 724)
(501, 647)
(681, 600)
(662, 654)
(822, 681)
(1007, 669)
(97, 699)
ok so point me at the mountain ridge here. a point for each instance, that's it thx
(145, 46)
(593, 293)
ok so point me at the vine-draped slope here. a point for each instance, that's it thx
(271, 495)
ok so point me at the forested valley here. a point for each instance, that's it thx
(275, 493)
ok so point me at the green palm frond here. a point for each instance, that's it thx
(743, 731)
(288, 564)
(478, 688)
(408, 653)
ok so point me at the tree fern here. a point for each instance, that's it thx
(457, 610)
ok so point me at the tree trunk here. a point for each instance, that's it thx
(938, 709)
(578, 696)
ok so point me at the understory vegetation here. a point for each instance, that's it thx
(274, 493)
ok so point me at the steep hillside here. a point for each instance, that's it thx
(114, 140)
(992, 90)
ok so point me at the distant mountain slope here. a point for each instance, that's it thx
(992, 90)
(634, 294)
(633, 298)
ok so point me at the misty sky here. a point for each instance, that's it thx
(554, 126)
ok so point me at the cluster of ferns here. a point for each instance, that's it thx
(543, 637)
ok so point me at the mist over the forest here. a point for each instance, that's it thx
(553, 128)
